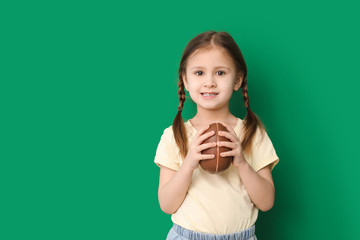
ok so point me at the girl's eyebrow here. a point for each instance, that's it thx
(215, 67)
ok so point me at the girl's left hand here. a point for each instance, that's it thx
(234, 144)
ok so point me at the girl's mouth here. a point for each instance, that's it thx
(209, 95)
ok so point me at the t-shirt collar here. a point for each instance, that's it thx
(194, 131)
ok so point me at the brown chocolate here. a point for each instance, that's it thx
(218, 163)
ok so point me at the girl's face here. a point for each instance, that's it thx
(210, 78)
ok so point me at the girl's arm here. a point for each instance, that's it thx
(173, 185)
(259, 185)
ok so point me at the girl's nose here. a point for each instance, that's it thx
(210, 82)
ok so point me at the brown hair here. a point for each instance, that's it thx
(224, 40)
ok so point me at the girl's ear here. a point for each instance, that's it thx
(238, 82)
(185, 81)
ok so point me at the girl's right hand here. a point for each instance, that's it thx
(194, 155)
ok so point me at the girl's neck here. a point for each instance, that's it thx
(203, 118)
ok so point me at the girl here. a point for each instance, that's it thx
(223, 205)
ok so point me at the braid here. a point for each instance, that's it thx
(181, 93)
(178, 126)
(251, 122)
(245, 93)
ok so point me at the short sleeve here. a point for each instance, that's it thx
(262, 152)
(167, 152)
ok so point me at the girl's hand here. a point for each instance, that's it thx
(235, 145)
(194, 154)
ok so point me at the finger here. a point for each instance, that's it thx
(228, 135)
(227, 154)
(206, 146)
(201, 131)
(227, 144)
(205, 136)
(229, 128)
(206, 156)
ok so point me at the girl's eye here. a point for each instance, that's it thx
(199, 73)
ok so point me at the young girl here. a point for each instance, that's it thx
(223, 205)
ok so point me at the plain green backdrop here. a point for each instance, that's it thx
(87, 88)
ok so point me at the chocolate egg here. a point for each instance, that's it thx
(218, 163)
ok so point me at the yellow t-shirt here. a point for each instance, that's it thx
(216, 203)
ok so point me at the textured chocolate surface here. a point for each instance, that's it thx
(218, 163)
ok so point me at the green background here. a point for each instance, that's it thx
(88, 87)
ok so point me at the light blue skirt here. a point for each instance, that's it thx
(179, 233)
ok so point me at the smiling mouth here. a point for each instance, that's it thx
(209, 94)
